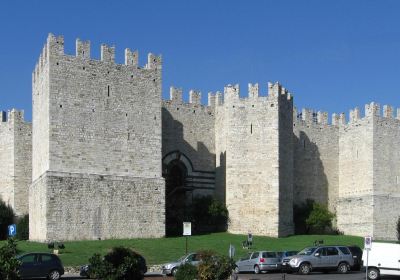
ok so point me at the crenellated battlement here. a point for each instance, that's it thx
(309, 116)
(55, 46)
(176, 96)
(11, 116)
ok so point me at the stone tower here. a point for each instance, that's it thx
(16, 160)
(254, 153)
(96, 146)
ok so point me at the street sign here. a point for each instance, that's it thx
(367, 242)
(12, 230)
(187, 228)
(231, 251)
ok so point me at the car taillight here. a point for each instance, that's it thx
(262, 260)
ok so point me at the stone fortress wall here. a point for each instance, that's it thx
(16, 161)
(96, 145)
(103, 140)
(188, 129)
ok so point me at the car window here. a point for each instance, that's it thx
(280, 254)
(307, 251)
(321, 251)
(28, 259)
(291, 253)
(191, 257)
(246, 257)
(46, 258)
(269, 255)
(332, 251)
(255, 255)
(344, 250)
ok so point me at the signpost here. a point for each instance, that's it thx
(231, 251)
(187, 231)
(367, 247)
(12, 230)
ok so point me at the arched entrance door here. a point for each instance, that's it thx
(177, 194)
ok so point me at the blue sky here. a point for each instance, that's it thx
(332, 55)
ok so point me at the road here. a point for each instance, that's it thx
(270, 276)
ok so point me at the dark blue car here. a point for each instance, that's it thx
(40, 265)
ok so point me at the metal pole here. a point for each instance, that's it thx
(366, 268)
(186, 245)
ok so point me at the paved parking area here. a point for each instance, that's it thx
(270, 276)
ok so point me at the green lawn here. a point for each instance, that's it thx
(161, 250)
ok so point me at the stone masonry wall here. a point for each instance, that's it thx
(99, 207)
(95, 118)
(252, 158)
(189, 129)
(355, 204)
(7, 162)
(15, 155)
(386, 178)
(316, 160)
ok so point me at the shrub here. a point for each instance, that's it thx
(214, 267)
(320, 219)
(300, 214)
(23, 228)
(119, 263)
(186, 272)
(8, 262)
(208, 214)
(6, 218)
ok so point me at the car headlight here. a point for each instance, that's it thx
(167, 266)
(293, 261)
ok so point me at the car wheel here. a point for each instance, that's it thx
(343, 268)
(237, 271)
(174, 271)
(373, 273)
(305, 269)
(256, 269)
(54, 275)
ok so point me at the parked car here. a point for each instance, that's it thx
(383, 260)
(321, 258)
(40, 265)
(356, 252)
(259, 261)
(286, 254)
(172, 267)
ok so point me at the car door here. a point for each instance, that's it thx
(29, 266)
(320, 259)
(333, 257)
(253, 261)
(242, 263)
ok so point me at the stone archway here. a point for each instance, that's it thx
(176, 168)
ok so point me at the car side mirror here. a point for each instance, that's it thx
(316, 254)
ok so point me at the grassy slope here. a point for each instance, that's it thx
(158, 251)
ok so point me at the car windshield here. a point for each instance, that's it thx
(307, 251)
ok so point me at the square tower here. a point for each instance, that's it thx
(96, 146)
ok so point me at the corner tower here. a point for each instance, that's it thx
(96, 146)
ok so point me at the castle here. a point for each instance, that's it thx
(105, 156)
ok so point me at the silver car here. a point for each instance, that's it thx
(259, 261)
(172, 267)
(321, 258)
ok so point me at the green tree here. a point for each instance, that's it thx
(300, 214)
(320, 218)
(6, 218)
(8, 262)
(23, 228)
(214, 267)
(208, 214)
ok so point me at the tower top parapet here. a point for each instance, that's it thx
(55, 46)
